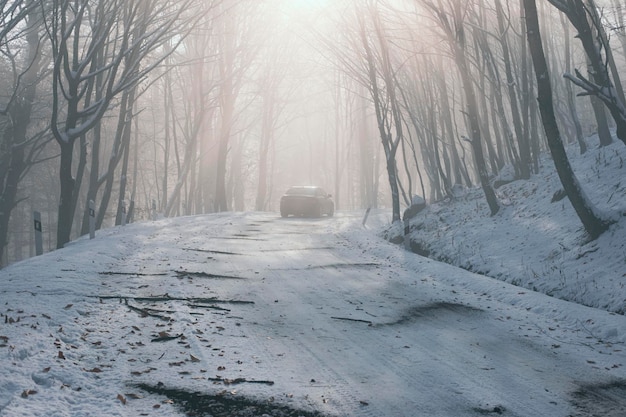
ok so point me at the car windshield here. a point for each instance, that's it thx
(308, 191)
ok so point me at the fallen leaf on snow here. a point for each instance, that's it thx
(28, 392)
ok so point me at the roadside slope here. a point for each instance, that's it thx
(535, 242)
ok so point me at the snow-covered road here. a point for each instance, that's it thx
(316, 314)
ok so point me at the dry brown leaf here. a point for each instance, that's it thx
(28, 392)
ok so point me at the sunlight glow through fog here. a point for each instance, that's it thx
(310, 4)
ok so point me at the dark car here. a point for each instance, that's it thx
(306, 201)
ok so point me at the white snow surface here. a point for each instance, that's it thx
(325, 315)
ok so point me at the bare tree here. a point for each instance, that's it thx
(583, 16)
(235, 59)
(453, 26)
(89, 40)
(571, 103)
(18, 148)
(274, 94)
(594, 223)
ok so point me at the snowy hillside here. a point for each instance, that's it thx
(536, 243)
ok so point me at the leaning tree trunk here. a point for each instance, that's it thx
(475, 131)
(594, 224)
(599, 84)
(455, 33)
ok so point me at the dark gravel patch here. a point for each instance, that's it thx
(600, 400)
(199, 404)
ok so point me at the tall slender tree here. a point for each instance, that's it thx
(595, 224)
(453, 27)
(582, 15)
(18, 148)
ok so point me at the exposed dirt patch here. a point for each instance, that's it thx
(239, 237)
(600, 400)
(420, 248)
(138, 274)
(217, 252)
(224, 404)
(346, 265)
(497, 410)
(188, 274)
(431, 310)
(297, 249)
(167, 297)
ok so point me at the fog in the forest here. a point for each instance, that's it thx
(152, 108)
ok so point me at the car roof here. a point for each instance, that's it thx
(305, 189)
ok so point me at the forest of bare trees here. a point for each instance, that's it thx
(155, 108)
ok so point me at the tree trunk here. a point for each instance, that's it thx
(9, 193)
(267, 125)
(221, 201)
(578, 15)
(66, 181)
(524, 155)
(571, 102)
(455, 33)
(602, 121)
(19, 113)
(594, 224)
(474, 125)
(92, 190)
(117, 151)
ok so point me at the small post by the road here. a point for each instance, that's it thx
(407, 231)
(367, 213)
(123, 213)
(38, 233)
(92, 219)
